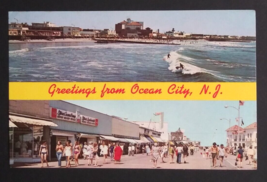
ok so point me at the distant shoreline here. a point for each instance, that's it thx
(53, 41)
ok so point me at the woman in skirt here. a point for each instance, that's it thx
(155, 155)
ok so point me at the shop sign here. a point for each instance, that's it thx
(61, 114)
(89, 120)
(74, 117)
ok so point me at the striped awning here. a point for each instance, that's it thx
(153, 138)
(30, 121)
(144, 139)
(149, 139)
(111, 138)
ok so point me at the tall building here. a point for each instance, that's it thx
(132, 28)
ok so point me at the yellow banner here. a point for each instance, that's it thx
(132, 91)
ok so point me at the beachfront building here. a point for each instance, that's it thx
(16, 29)
(251, 135)
(132, 28)
(44, 24)
(247, 136)
(71, 31)
(89, 32)
(106, 33)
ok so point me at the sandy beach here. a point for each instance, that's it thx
(56, 40)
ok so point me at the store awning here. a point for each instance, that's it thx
(62, 133)
(140, 141)
(153, 138)
(84, 135)
(132, 141)
(144, 139)
(111, 138)
(159, 139)
(39, 122)
(123, 140)
(149, 139)
(12, 125)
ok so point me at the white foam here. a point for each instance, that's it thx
(19, 51)
(174, 61)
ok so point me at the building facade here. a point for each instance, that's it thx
(31, 127)
(132, 29)
(247, 136)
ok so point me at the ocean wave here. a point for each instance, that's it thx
(19, 51)
(229, 65)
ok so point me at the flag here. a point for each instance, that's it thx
(157, 113)
(241, 103)
(242, 123)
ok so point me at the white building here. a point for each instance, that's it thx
(88, 33)
(45, 24)
(71, 31)
(247, 136)
(251, 135)
(16, 29)
(157, 127)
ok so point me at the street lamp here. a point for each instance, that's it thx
(238, 110)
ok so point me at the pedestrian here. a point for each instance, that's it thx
(43, 153)
(117, 153)
(90, 153)
(77, 150)
(104, 151)
(240, 152)
(165, 149)
(111, 151)
(129, 149)
(68, 153)
(59, 152)
(155, 154)
(179, 150)
(251, 154)
(143, 149)
(214, 153)
(133, 150)
(147, 150)
(84, 150)
(171, 153)
(95, 153)
(185, 152)
(222, 154)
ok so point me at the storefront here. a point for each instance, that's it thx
(27, 136)
(76, 123)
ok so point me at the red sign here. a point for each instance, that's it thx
(74, 117)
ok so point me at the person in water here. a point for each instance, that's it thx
(169, 55)
(181, 66)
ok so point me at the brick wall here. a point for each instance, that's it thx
(33, 107)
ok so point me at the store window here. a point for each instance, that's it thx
(27, 139)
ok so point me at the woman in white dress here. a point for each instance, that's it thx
(155, 154)
(104, 151)
(68, 153)
(89, 153)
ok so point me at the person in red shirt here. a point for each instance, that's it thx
(117, 153)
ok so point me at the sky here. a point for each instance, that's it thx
(200, 120)
(220, 22)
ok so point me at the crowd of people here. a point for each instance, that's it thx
(114, 151)
(219, 152)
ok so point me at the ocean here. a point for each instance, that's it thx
(203, 61)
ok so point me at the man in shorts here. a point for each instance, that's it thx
(214, 152)
(222, 153)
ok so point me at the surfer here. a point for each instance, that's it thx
(181, 66)
(169, 55)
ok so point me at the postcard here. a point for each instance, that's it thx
(133, 89)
